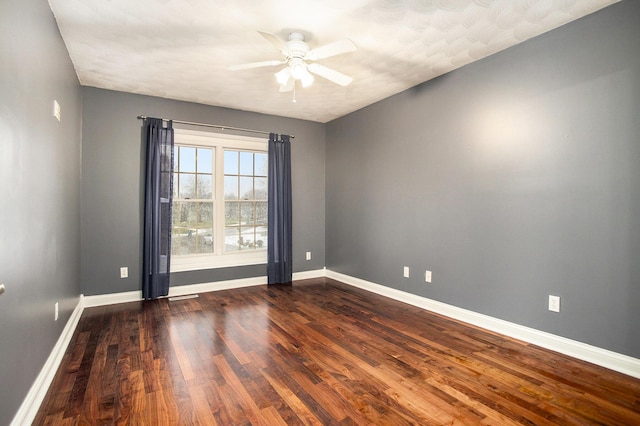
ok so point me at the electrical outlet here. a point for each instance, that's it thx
(554, 303)
(55, 312)
(308, 255)
(427, 276)
(124, 272)
(405, 272)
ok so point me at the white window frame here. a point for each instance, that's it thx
(218, 259)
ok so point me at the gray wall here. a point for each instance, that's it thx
(40, 186)
(511, 179)
(112, 186)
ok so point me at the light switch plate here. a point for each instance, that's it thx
(56, 110)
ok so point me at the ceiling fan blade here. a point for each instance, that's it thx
(288, 87)
(331, 75)
(332, 49)
(256, 65)
(277, 43)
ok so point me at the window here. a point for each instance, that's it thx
(193, 201)
(245, 200)
(219, 201)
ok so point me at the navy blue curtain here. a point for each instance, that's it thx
(279, 248)
(157, 207)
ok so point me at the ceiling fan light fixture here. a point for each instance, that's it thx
(283, 76)
(298, 68)
(307, 79)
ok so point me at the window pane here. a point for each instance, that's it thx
(176, 215)
(261, 237)
(175, 244)
(247, 213)
(186, 215)
(260, 188)
(183, 233)
(204, 243)
(246, 188)
(204, 186)
(246, 163)
(187, 159)
(177, 229)
(204, 232)
(261, 213)
(205, 217)
(187, 186)
(247, 238)
(230, 187)
(231, 239)
(231, 162)
(205, 160)
(192, 231)
(188, 243)
(261, 164)
(208, 243)
(231, 214)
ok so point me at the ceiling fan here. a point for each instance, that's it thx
(298, 56)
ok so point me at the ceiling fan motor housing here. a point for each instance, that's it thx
(296, 46)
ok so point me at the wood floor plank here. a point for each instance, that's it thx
(243, 398)
(219, 410)
(306, 416)
(317, 353)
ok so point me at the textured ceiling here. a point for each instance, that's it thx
(181, 49)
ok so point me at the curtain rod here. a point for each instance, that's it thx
(216, 126)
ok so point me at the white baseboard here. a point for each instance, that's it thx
(112, 299)
(306, 275)
(181, 290)
(239, 283)
(603, 357)
(29, 408)
(216, 286)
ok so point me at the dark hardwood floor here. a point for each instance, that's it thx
(319, 352)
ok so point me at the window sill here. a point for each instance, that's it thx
(208, 261)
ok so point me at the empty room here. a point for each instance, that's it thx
(419, 212)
